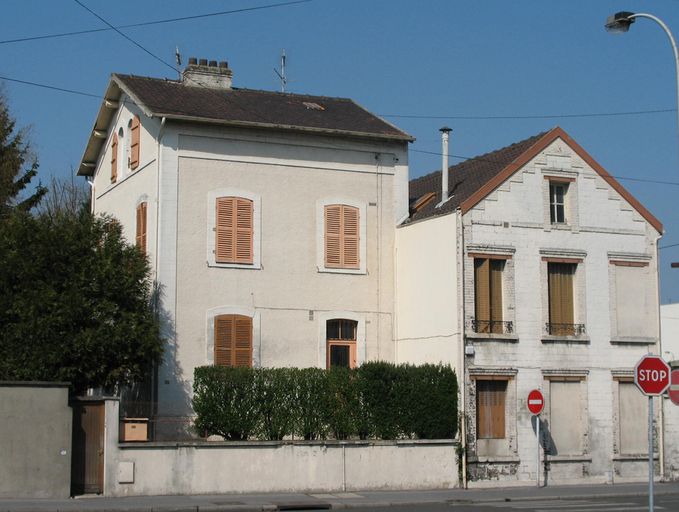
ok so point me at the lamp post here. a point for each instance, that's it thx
(620, 22)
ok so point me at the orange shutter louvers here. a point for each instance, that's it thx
(114, 158)
(233, 340)
(141, 226)
(134, 142)
(234, 230)
(342, 240)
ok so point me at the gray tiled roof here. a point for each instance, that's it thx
(465, 178)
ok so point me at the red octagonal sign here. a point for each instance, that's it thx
(652, 375)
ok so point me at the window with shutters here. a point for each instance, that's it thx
(342, 236)
(341, 343)
(232, 340)
(560, 283)
(234, 230)
(114, 158)
(488, 316)
(490, 408)
(134, 138)
(142, 222)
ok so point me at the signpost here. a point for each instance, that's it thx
(674, 387)
(536, 402)
(652, 377)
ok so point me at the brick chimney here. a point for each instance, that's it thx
(207, 74)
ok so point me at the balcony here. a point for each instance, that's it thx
(492, 326)
(554, 329)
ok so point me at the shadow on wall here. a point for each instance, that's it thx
(163, 397)
(547, 443)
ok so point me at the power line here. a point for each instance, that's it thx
(156, 22)
(525, 117)
(506, 162)
(52, 87)
(667, 246)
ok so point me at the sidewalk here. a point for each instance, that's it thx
(259, 502)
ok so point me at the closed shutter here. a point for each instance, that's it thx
(333, 236)
(135, 131)
(114, 158)
(482, 294)
(490, 410)
(233, 340)
(561, 297)
(233, 230)
(495, 279)
(342, 236)
(141, 227)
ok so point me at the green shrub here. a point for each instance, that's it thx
(377, 400)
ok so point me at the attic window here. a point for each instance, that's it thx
(313, 106)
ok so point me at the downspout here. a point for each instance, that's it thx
(91, 184)
(462, 363)
(661, 409)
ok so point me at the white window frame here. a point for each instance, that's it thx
(320, 235)
(256, 227)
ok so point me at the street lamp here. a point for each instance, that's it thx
(620, 22)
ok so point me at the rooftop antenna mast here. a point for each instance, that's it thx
(178, 58)
(281, 74)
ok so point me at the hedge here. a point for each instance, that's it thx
(378, 400)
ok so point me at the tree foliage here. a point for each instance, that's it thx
(75, 301)
(18, 166)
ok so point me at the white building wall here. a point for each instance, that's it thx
(427, 306)
(669, 321)
(601, 225)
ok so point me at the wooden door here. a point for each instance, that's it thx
(87, 466)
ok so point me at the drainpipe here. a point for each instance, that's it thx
(91, 184)
(445, 132)
(462, 362)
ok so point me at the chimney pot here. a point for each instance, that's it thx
(213, 64)
(207, 73)
(193, 61)
(223, 64)
(202, 62)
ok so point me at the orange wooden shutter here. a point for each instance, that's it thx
(350, 235)
(482, 292)
(134, 144)
(244, 230)
(141, 226)
(234, 231)
(495, 280)
(233, 340)
(114, 158)
(490, 409)
(560, 284)
(333, 236)
(342, 236)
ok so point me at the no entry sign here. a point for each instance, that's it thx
(674, 387)
(536, 402)
(652, 375)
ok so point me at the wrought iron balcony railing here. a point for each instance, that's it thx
(492, 326)
(565, 329)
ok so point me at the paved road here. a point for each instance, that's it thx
(669, 503)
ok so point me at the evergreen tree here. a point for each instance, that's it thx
(18, 166)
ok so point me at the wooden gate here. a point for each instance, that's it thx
(87, 466)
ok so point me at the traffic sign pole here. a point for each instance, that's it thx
(537, 420)
(650, 453)
(536, 403)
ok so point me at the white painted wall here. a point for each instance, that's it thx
(255, 467)
(669, 321)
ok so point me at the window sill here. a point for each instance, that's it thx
(512, 338)
(569, 458)
(581, 340)
(499, 459)
(633, 457)
(246, 266)
(353, 271)
(637, 340)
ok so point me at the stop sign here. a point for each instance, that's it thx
(535, 401)
(674, 387)
(652, 375)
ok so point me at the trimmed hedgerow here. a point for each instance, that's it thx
(377, 400)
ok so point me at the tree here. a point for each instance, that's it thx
(75, 301)
(18, 166)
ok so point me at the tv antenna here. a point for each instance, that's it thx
(281, 73)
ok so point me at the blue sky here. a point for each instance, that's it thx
(479, 58)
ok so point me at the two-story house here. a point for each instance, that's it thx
(268, 218)
(534, 269)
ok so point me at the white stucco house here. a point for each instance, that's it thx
(268, 218)
(535, 270)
